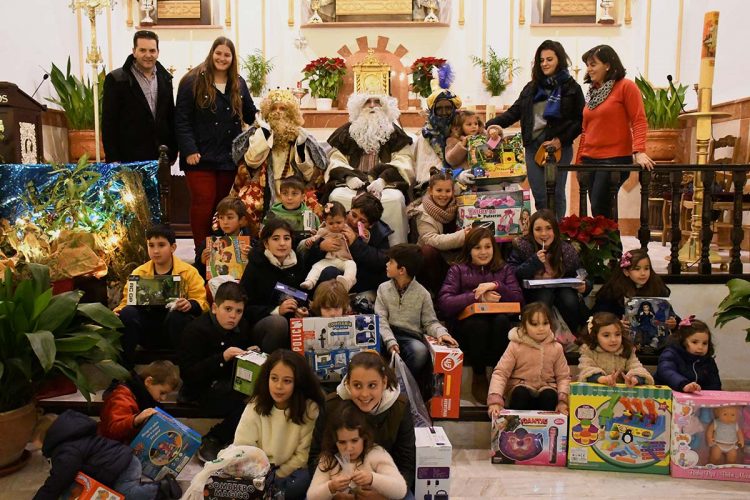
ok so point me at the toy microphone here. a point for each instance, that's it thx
(553, 444)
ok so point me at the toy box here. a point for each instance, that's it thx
(710, 415)
(164, 445)
(87, 488)
(329, 343)
(226, 257)
(219, 487)
(490, 308)
(284, 292)
(246, 371)
(153, 290)
(505, 213)
(447, 367)
(625, 429)
(530, 437)
(647, 317)
(433, 476)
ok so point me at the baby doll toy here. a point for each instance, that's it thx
(724, 436)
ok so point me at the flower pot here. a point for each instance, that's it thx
(323, 103)
(663, 144)
(17, 426)
(82, 142)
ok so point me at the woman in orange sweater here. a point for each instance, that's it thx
(614, 124)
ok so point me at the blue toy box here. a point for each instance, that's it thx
(164, 445)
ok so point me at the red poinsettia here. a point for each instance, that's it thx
(596, 239)
(325, 76)
(421, 71)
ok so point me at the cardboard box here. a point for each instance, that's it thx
(433, 476)
(553, 283)
(697, 414)
(246, 371)
(530, 437)
(153, 290)
(226, 256)
(490, 308)
(87, 488)
(285, 291)
(447, 367)
(329, 343)
(624, 429)
(219, 487)
(505, 213)
(164, 445)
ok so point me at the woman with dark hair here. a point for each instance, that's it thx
(549, 109)
(212, 104)
(614, 124)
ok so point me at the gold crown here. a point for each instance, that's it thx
(283, 96)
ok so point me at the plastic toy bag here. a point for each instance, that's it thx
(247, 462)
(409, 386)
(562, 332)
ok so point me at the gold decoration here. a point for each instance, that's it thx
(569, 8)
(372, 76)
(179, 9)
(315, 17)
(228, 16)
(628, 14)
(461, 16)
(521, 12)
(129, 22)
(290, 19)
(373, 7)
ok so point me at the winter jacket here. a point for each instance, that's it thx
(72, 445)
(531, 364)
(391, 423)
(431, 232)
(594, 363)
(457, 291)
(123, 401)
(130, 132)
(386, 479)
(527, 266)
(677, 368)
(566, 128)
(211, 130)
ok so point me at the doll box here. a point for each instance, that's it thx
(329, 343)
(648, 317)
(246, 371)
(694, 416)
(225, 256)
(164, 445)
(490, 308)
(153, 290)
(620, 428)
(529, 437)
(87, 488)
(504, 213)
(448, 364)
(433, 473)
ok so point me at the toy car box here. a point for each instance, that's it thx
(246, 371)
(433, 475)
(447, 368)
(329, 343)
(709, 415)
(164, 445)
(529, 437)
(620, 428)
(505, 213)
(153, 290)
(87, 488)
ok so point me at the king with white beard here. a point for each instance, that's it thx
(372, 151)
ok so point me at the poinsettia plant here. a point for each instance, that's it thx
(421, 72)
(325, 76)
(597, 241)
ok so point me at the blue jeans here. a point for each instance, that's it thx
(414, 352)
(599, 184)
(129, 483)
(535, 173)
(295, 484)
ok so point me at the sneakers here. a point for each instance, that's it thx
(479, 387)
(209, 450)
(169, 488)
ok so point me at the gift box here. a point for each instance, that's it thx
(505, 213)
(447, 367)
(246, 371)
(620, 428)
(329, 343)
(433, 473)
(529, 437)
(490, 308)
(721, 418)
(87, 488)
(225, 256)
(164, 445)
(153, 290)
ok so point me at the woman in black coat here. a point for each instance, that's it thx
(212, 104)
(550, 109)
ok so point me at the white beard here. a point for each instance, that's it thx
(371, 130)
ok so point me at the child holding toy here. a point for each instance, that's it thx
(533, 373)
(608, 354)
(334, 215)
(330, 300)
(687, 364)
(232, 219)
(280, 417)
(349, 458)
(461, 151)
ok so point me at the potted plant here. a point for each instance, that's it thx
(663, 108)
(257, 70)
(735, 305)
(495, 71)
(421, 74)
(325, 76)
(76, 98)
(44, 336)
(597, 241)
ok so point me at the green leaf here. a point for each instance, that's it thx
(24, 297)
(40, 275)
(113, 370)
(77, 343)
(20, 320)
(100, 314)
(60, 311)
(41, 303)
(43, 344)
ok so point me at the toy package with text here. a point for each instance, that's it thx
(529, 437)
(164, 445)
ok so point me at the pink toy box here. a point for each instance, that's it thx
(720, 416)
(529, 437)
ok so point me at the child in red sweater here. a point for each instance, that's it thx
(128, 404)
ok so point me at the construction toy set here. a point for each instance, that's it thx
(529, 437)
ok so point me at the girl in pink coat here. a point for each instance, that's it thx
(532, 374)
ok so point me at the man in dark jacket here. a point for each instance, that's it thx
(138, 105)
(72, 446)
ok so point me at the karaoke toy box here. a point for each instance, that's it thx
(329, 343)
(505, 213)
(164, 445)
(433, 476)
(246, 371)
(447, 367)
(529, 437)
(624, 429)
(88, 488)
(721, 418)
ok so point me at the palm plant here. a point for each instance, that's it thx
(496, 70)
(662, 106)
(76, 97)
(735, 305)
(258, 68)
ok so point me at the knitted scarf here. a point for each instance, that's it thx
(442, 215)
(436, 130)
(598, 95)
(550, 90)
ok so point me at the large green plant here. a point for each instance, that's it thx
(42, 335)
(662, 106)
(325, 76)
(496, 70)
(735, 305)
(76, 97)
(257, 70)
